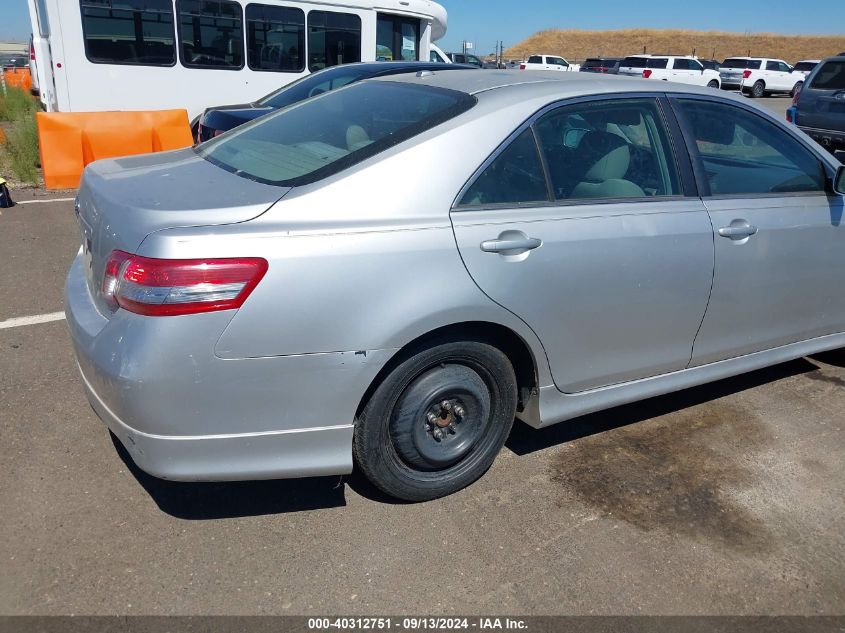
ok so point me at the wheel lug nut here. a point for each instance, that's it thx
(452, 428)
(438, 434)
(432, 419)
(446, 405)
(459, 411)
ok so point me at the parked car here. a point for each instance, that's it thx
(680, 68)
(819, 106)
(436, 54)
(376, 276)
(214, 121)
(710, 64)
(465, 58)
(13, 60)
(805, 67)
(548, 62)
(33, 72)
(759, 76)
(604, 65)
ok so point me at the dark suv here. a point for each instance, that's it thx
(819, 107)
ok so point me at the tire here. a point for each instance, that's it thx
(413, 448)
(713, 83)
(758, 90)
(798, 85)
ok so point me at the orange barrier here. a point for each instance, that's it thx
(18, 78)
(68, 141)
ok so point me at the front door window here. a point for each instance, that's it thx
(397, 38)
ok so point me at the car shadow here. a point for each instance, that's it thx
(201, 501)
(524, 440)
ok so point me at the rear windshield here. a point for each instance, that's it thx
(752, 64)
(600, 63)
(805, 65)
(831, 76)
(324, 135)
(634, 62)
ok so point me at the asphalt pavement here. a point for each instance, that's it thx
(722, 499)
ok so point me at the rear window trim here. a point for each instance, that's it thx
(464, 103)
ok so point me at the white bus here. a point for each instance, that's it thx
(97, 55)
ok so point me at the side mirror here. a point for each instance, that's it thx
(839, 181)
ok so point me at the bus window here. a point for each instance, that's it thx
(128, 32)
(397, 38)
(275, 38)
(333, 39)
(211, 34)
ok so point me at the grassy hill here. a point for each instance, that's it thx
(575, 44)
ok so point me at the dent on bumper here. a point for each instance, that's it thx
(184, 414)
(243, 456)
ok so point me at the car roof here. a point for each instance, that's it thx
(545, 82)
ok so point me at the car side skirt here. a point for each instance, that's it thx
(555, 406)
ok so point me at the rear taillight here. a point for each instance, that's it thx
(31, 52)
(746, 74)
(797, 96)
(522, 66)
(646, 73)
(169, 287)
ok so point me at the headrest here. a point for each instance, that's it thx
(607, 155)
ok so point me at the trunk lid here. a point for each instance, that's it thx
(123, 200)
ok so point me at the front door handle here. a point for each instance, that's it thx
(511, 245)
(738, 231)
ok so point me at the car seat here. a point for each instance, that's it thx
(607, 157)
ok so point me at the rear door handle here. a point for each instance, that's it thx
(738, 231)
(515, 245)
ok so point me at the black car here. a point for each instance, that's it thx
(220, 119)
(608, 65)
(819, 107)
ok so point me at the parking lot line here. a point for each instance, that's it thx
(46, 200)
(31, 320)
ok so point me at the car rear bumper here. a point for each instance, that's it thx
(184, 414)
(826, 138)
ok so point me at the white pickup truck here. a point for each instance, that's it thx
(548, 62)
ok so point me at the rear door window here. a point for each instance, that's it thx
(514, 177)
(535, 59)
(138, 32)
(743, 153)
(608, 149)
(831, 76)
(275, 38)
(657, 62)
(211, 34)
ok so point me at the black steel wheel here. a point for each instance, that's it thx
(436, 422)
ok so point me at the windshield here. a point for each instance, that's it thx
(313, 85)
(318, 137)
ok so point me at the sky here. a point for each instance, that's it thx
(485, 22)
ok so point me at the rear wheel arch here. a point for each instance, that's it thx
(511, 344)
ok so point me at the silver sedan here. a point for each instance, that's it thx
(388, 274)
